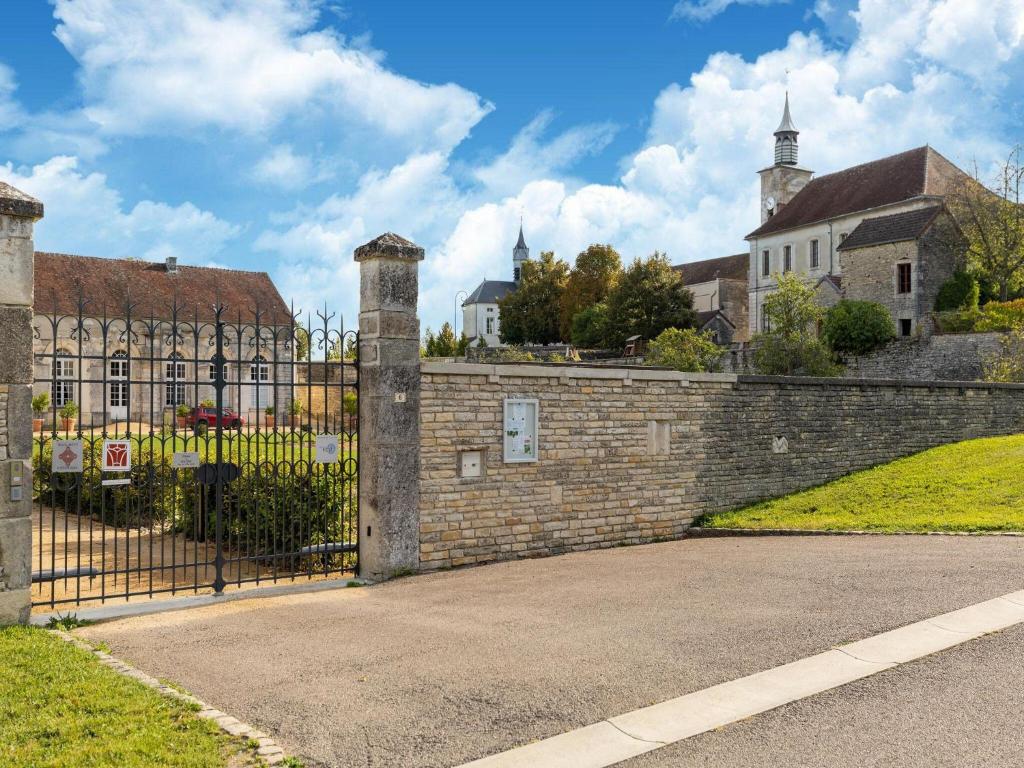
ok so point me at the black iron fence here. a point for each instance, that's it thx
(191, 449)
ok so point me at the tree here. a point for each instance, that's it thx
(857, 327)
(684, 350)
(444, 344)
(592, 277)
(991, 218)
(530, 313)
(590, 326)
(648, 298)
(790, 347)
(961, 291)
(301, 343)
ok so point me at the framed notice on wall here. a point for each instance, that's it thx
(520, 428)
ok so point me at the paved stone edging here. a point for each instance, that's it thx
(698, 531)
(624, 736)
(268, 749)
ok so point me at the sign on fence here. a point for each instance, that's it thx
(117, 455)
(185, 460)
(327, 449)
(67, 456)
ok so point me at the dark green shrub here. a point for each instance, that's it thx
(960, 292)
(857, 327)
(793, 356)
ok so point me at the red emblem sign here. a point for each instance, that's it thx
(117, 455)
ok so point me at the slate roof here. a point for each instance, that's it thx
(706, 316)
(896, 228)
(894, 179)
(724, 267)
(489, 291)
(110, 282)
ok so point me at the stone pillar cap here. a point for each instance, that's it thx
(389, 245)
(14, 202)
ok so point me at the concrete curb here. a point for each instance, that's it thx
(712, 533)
(268, 750)
(624, 736)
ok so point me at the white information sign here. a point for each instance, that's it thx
(327, 449)
(185, 460)
(117, 455)
(67, 456)
(520, 441)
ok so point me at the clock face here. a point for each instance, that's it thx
(769, 203)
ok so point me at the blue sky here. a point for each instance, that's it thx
(280, 134)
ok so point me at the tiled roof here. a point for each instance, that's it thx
(896, 228)
(921, 171)
(109, 283)
(489, 291)
(706, 316)
(836, 281)
(724, 267)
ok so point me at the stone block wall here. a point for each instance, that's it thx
(943, 357)
(628, 455)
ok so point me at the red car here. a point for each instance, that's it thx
(201, 419)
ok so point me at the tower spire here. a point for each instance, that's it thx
(520, 253)
(786, 148)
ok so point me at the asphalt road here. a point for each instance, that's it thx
(961, 707)
(441, 669)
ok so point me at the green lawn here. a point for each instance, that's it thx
(976, 485)
(59, 708)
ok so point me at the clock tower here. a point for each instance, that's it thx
(781, 181)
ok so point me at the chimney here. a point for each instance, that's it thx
(172, 264)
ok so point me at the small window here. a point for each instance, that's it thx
(903, 284)
(766, 262)
(490, 325)
(906, 326)
(259, 370)
(787, 258)
(765, 324)
(843, 236)
(63, 389)
(515, 274)
(815, 259)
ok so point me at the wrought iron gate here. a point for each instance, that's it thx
(191, 448)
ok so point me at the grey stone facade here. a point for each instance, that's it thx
(628, 455)
(18, 212)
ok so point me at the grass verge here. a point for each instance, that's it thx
(973, 486)
(60, 708)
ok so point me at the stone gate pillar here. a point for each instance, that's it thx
(389, 407)
(18, 212)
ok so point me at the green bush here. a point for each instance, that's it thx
(684, 350)
(776, 355)
(994, 316)
(960, 292)
(589, 327)
(857, 327)
(40, 403)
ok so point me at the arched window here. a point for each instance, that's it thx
(213, 368)
(174, 380)
(62, 390)
(259, 369)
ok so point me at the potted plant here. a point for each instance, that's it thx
(295, 410)
(40, 403)
(182, 413)
(67, 414)
(207, 403)
(269, 411)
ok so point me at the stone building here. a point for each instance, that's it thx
(115, 367)
(805, 221)
(719, 288)
(480, 316)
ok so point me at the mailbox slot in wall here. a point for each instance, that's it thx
(471, 463)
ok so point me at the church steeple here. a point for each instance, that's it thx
(785, 139)
(519, 254)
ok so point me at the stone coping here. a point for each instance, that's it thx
(645, 373)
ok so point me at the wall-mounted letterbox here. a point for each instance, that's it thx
(471, 463)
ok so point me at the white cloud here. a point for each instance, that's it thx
(705, 10)
(151, 67)
(529, 157)
(282, 167)
(84, 215)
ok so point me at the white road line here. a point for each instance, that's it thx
(619, 738)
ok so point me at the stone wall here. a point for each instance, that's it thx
(628, 455)
(18, 212)
(945, 357)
